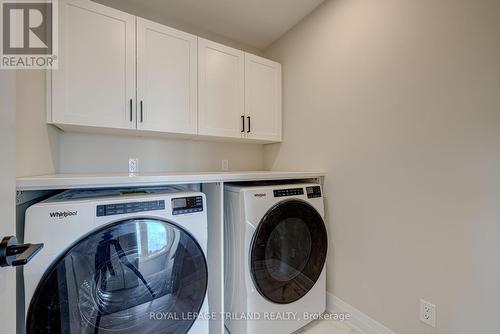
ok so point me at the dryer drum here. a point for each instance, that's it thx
(288, 251)
(112, 280)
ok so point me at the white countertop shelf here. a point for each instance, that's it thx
(74, 181)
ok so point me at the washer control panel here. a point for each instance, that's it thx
(313, 192)
(183, 205)
(130, 207)
(288, 192)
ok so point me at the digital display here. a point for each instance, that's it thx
(179, 203)
(186, 205)
(313, 192)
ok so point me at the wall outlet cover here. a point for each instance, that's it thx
(133, 165)
(225, 165)
(428, 313)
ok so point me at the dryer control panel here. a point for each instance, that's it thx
(288, 192)
(183, 205)
(130, 207)
(313, 192)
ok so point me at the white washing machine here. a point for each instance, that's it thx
(118, 261)
(275, 252)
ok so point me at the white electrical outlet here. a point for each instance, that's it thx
(133, 165)
(428, 313)
(225, 165)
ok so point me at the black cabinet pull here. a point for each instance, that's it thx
(249, 125)
(243, 123)
(131, 110)
(14, 254)
(141, 112)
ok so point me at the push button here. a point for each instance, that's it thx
(288, 192)
(123, 208)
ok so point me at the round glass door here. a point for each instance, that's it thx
(135, 276)
(288, 251)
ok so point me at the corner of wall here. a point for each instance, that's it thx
(37, 142)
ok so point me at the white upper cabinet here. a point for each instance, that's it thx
(167, 79)
(221, 90)
(119, 73)
(262, 98)
(95, 82)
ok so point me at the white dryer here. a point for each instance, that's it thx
(275, 252)
(118, 261)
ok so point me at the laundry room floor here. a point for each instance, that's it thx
(327, 327)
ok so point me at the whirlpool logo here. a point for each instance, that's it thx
(260, 195)
(63, 214)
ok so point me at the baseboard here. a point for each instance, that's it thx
(359, 321)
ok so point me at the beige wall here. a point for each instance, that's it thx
(89, 153)
(37, 143)
(399, 100)
(7, 193)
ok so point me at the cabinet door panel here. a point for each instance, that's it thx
(166, 78)
(96, 77)
(221, 89)
(263, 98)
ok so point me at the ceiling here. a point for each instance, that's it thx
(256, 23)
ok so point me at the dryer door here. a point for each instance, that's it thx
(134, 276)
(288, 251)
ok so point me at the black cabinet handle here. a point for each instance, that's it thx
(14, 254)
(141, 112)
(249, 125)
(131, 110)
(243, 123)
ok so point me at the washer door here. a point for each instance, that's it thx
(288, 251)
(135, 276)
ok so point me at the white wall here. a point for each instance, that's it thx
(399, 100)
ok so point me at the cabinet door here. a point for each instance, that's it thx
(262, 98)
(221, 89)
(167, 79)
(95, 82)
